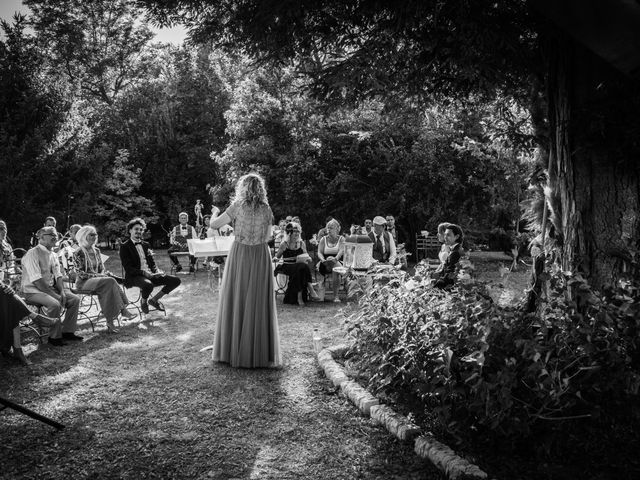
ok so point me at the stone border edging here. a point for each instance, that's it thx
(425, 446)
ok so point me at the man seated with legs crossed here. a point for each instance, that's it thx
(140, 268)
(42, 284)
(178, 240)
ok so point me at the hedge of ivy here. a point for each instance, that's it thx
(574, 365)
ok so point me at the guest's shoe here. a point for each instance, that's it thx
(144, 306)
(337, 300)
(18, 354)
(178, 268)
(56, 342)
(127, 315)
(71, 336)
(111, 328)
(156, 304)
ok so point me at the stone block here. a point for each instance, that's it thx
(445, 459)
(360, 397)
(396, 424)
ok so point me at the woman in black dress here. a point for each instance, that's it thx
(295, 267)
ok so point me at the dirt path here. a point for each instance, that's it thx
(148, 404)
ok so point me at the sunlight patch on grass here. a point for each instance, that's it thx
(130, 344)
(72, 375)
(265, 458)
(185, 337)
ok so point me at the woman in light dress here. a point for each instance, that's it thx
(247, 326)
(444, 249)
(330, 252)
(93, 277)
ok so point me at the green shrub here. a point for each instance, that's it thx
(483, 367)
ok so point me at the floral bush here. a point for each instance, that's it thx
(478, 366)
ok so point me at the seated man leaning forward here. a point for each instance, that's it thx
(42, 284)
(178, 240)
(140, 269)
(384, 247)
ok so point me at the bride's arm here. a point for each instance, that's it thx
(220, 221)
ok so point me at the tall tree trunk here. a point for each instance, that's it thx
(595, 159)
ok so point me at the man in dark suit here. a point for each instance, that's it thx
(384, 247)
(141, 270)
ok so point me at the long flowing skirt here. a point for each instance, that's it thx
(247, 329)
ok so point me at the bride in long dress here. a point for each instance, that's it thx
(247, 329)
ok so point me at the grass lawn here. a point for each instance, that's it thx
(147, 403)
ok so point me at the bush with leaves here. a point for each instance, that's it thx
(497, 370)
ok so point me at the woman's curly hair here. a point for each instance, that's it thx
(251, 191)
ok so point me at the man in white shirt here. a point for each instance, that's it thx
(178, 240)
(42, 284)
(384, 247)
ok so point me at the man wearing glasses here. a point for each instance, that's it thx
(42, 284)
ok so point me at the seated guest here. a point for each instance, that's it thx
(323, 231)
(398, 238)
(299, 273)
(384, 247)
(67, 247)
(446, 277)
(178, 240)
(280, 234)
(330, 252)
(368, 227)
(48, 222)
(141, 270)
(42, 285)
(444, 249)
(69, 239)
(93, 277)
(12, 310)
(296, 219)
(205, 227)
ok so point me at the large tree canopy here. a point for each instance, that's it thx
(454, 49)
(96, 44)
(419, 47)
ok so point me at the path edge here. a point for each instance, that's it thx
(425, 446)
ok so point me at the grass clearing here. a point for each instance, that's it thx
(147, 403)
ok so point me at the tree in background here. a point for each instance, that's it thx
(121, 198)
(95, 44)
(32, 109)
(374, 158)
(584, 113)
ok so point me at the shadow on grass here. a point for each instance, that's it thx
(147, 403)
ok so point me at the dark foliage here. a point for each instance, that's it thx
(548, 385)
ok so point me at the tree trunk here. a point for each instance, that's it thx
(595, 154)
